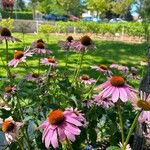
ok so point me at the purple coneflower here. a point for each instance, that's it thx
(9, 90)
(65, 45)
(133, 74)
(32, 77)
(116, 88)
(40, 48)
(60, 126)
(121, 68)
(38, 41)
(19, 56)
(143, 104)
(104, 102)
(50, 61)
(11, 129)
(83, 44)
(6, 35)
(102, 68)
(86, 79)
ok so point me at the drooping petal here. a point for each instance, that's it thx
(54, 140)
(48, 138)
(73, 121)
(61, 134)
(70, 136)
(71, 128)
(115, 95)
(123, 94)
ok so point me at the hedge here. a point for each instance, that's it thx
(19, 15)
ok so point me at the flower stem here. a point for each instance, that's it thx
(20, 145)
(78, 70)
(90, 92)
(69, 145)
(7, 67)
(131, 130)
(121, 123)
(39, 66)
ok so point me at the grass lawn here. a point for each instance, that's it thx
(107, 52)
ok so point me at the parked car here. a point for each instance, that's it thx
(117, 20)
(55, 17)
(73, 18)
(94, 19)
(87, 18)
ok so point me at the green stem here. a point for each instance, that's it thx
(20, 145)
(90, 92)
(22, 117)
(131, 130)
(121, 123)
(39, 66)
(78, 70)
(7, 67)
(69, 145)
(27, 67)
(48, 76)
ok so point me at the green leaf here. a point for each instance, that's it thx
(4, 113)
(113, 148)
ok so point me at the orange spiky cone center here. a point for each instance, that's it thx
(51, 60)
(69, 38)
(8, 89)
(144, 105)
(40, 45)
(104, 67)
(18, 54)
(86, 40)
(8, 126)
(117, 81)
(5, 32)
(56, 117)
(85, 77)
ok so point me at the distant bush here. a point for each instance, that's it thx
(18, 15)
(129, 28)
(46, 28)
(8, 23)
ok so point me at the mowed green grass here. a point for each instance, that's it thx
(107, 52)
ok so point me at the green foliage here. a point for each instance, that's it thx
(129, 28)
(18, 15)
(46, 28)
(100, 6)
(113, 148)
(8, 23)
(121, 6)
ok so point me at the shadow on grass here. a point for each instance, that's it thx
(107, 52)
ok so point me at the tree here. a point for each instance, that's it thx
(20, 4)
(49, 6)
(70, 6)
(121, 7)
(100, 6)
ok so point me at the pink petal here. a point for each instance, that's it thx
(71, 128)
(46, 130)
(61, 134)
(115, 95)
(70, 136)
(73, 121)
(123, 94)
(103, 85)
(48, 138)
(54, 140)
(109, 91)
(44, 124)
